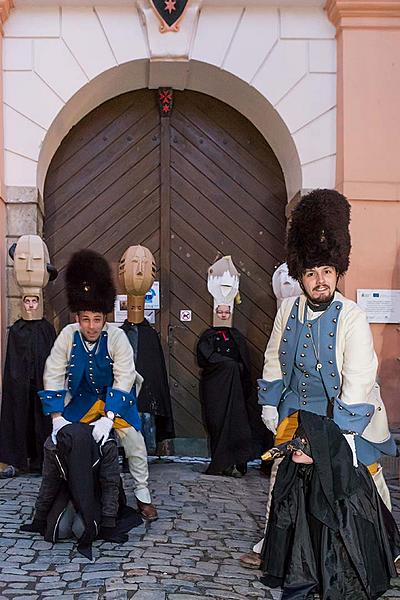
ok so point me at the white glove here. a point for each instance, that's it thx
(350, 440)
(101, 429)
(270, 417)
(58, 423)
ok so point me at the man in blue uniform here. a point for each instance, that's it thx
(320, 356)
(90, 375)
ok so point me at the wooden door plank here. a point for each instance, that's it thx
(186, 152)
(101, 120)
(237, 126)
(257, 278)
(143, 157)
(233, 220)
(254, 311)
(263, 172)
(165, 233)
(231, 166)
(81, 169)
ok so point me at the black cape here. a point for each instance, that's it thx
(226, 393)
(154, 397)
(77, 472)
(23, 427)
(328, 530)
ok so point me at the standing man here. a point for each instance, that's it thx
(90, 371)
(320, 356)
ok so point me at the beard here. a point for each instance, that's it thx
(322, 301)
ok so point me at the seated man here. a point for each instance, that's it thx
(329, 531)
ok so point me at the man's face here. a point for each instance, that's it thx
(31, 303)
(319, 283)
(223, 311)
(301, 458)
(91, 324)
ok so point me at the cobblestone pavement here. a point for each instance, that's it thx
(191, 552)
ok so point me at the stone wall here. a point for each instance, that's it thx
(24, 216)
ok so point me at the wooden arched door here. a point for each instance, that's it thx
(196, 182)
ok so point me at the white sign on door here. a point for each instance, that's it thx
(185, 315)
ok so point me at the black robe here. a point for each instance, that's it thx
(23, 427)
(328, 530)
(154, 397)
(81, 477)
(226, 395)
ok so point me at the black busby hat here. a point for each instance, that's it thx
(319, 233)
(89, 283)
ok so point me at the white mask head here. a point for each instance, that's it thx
(283, 285)
(223, 285)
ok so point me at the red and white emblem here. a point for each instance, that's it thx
(170, 12)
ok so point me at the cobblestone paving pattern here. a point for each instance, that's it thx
(191, 552)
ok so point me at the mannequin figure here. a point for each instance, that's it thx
(23, 427)
(136, 274)
(225, 384)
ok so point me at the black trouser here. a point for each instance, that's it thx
(88, 473)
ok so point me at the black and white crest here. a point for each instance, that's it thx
(169, 12)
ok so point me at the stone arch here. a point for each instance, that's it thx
(204, 78)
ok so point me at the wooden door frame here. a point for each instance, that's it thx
(165, 98)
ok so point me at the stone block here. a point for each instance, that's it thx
(21, 219)
(124, 32)
(31, 21)
(258, 31)
(303, 22)
(320, 174)
(316, 94)
(13, 289)
(29, 95)
(88, 42)
(21, 135)
(22, 194)
(58, 68)
(19, 170)
(215, 31)
(322, 56)
(169, 46)
(284, 67)
(17, 54)
(318, 138)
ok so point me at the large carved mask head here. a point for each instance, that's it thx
(223, 285)
(137, 270)
(32, 271)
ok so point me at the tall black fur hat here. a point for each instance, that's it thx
(89, 282)
(319, 233)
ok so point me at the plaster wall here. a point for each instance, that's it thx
(283, 60)
(368, 164)
(375, 263)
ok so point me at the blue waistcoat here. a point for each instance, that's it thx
(89, 378)
(89, 375)
(303, 387)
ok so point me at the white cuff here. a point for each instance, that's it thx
(143, 495)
